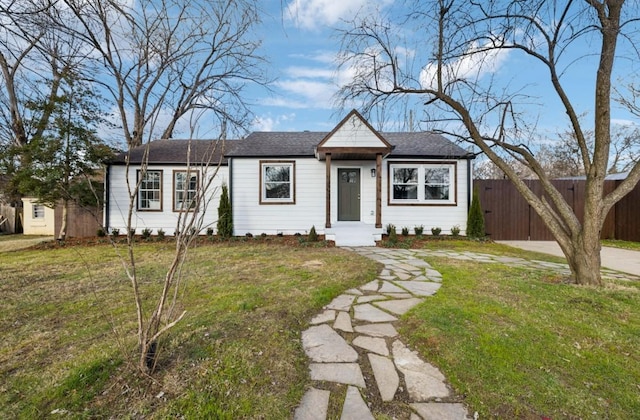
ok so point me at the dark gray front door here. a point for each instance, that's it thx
(348, 194)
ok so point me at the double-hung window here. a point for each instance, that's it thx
(277, 182)
(185, 190)
(422, 183)
(150, 190)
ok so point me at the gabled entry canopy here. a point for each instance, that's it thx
(353, 138)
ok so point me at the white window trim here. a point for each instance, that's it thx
(421, 200)
(180, 207)
(292, 181)
(140, 190)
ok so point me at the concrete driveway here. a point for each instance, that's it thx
(623, 260)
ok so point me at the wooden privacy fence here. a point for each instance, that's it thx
(81, 221)
(508, 216)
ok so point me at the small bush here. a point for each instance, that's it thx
(101, 233)
(393, 236)
(115, 232)
(132, 232)
(390, 228)
(475, 221)
(209, 231)
(313, 236)
(146, 233)
(249, 235)
(280, 234)
(435, 231)
(264, 235)
(455, 231)
(225, 217)
(418, 230)
(161, 234)
(405, 231)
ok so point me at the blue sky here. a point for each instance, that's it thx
(300, 41)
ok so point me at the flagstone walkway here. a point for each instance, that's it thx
(356, 353)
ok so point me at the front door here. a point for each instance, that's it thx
(348, 194)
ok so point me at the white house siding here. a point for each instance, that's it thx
(309, 209)
(353, 133)
(167, 219)
(429, 216)
(249, 216)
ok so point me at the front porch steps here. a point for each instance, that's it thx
(353, 234)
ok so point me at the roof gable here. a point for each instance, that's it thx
(353, 132)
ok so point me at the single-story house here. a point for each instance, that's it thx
(350, 183)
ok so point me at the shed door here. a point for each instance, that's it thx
(348, 194)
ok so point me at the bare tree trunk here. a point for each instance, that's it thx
(62, 235)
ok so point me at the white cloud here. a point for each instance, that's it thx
(312, 14)
(474, 64)
(270, 123)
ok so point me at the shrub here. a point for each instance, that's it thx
(435, 231)
(101, 233)
(390, 228)
(115, 232)
(393, 235)
(313, 236)
(225, 218)
(249, 235)
(132, 232)
(418, 230)
(405, 231)
(146, 233)
(455, 230)
(209, 231)
(160, 234)
(475, 221)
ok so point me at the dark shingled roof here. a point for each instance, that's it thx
(300, 144)
(284, 144)
(175, 152)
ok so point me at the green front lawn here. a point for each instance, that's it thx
(68, 328)
(517, 343)
(522, 344)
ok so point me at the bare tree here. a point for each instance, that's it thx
(160, 60)
(461, 40)
(163, 63)
(34, 58)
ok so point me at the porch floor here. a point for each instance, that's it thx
(353, 234)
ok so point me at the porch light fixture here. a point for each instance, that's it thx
(373, 172)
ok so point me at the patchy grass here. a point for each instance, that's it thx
(521, 344)
(614, 243)
(68, 326)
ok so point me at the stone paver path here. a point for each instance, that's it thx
(355, 333)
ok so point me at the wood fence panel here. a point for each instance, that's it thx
(82, 222)
(509, 217)
(627, 216)
(506, 213)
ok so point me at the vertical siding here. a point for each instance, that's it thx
(167, 219)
